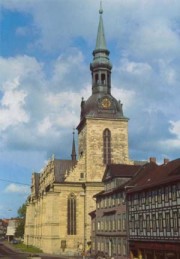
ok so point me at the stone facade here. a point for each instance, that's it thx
(91, 148)
(57, 218)
(46, 220)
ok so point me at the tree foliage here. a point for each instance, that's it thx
(21, 215)
(20, 228)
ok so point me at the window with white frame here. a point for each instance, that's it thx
(124, 221)
(148, 226)
(166, 195)
(119, 246)
(154, 222)
(124, 247)
(160, 222)
(175, 221)
(141, 223)
(119, 222)
(98, 225)
(167, 221)
(174, 193)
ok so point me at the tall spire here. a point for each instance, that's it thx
(101, 65)
(100, 40)
(101, 104)
(73, 155)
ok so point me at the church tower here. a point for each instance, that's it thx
(103, 129)
(57, 215)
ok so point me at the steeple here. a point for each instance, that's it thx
(73, 155)
(101, 104)
(101, 66)
(101, 41)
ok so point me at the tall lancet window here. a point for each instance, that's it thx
(107, 146)
(71, 215)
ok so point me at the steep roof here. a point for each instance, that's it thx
(120, 170)
(124, 171)
(156, 175)
(61, 167)
(100, 40)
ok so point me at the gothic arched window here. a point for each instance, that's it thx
(71, 215)
(107, 146)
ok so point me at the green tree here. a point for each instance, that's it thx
(21, 216)
(22, 211)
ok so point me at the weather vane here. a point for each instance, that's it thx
(101, 9)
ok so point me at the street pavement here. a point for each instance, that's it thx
(8, 251)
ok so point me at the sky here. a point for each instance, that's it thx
(45, 51)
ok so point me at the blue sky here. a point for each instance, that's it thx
(45, 51)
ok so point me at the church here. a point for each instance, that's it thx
(62, 195)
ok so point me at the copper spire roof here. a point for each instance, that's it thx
(101, 104)
(101, 41)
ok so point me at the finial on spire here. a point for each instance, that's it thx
(101, 9)
(73, 133)
(73, 155)
(100, 40)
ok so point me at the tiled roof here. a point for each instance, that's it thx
(99, 194)
(120, 170)
(156, 175)
(61, 167)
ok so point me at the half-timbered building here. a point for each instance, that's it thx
(153, 206)
(109, 225)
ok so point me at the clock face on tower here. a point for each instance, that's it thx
(106, 103)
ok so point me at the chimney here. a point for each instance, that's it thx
(152, 160)
(166, 160)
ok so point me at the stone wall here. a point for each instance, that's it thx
(46, 219)
(91, 144)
